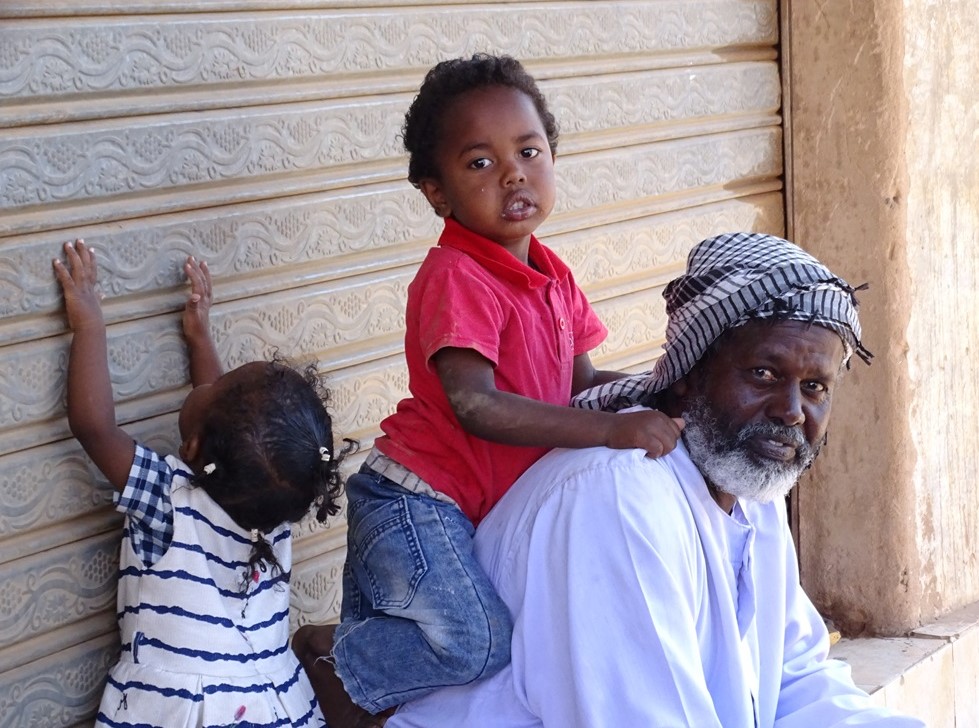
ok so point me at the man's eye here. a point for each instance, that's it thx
(817, 387)
(764, 374)
(529, 152)
(481, 163)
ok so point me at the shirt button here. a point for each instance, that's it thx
(562, 324)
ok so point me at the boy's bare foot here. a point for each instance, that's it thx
(314, 641)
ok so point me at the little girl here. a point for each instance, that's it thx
(497, 341)
(203, 600)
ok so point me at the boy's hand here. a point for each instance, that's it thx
(79, 282)
(650, 430)
(196, 317)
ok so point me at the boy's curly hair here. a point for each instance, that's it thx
(443, 84)
(265, 440)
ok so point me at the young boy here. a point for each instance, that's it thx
(497, 342)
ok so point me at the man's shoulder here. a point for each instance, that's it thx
(561, 467)
(601, 480)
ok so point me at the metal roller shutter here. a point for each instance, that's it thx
(264, 138)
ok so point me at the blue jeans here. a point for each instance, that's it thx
(418, 612)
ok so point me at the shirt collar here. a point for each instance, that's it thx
(494, 257)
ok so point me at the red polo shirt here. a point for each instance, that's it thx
(471, 293)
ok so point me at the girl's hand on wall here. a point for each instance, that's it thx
(205, 365)
(79, 282)
(196, 317)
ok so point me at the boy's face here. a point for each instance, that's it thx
(496, 171)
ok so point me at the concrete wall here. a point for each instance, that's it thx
(941, 72)
(884, 186)
(932, 674)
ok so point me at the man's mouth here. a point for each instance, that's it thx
(774, 448)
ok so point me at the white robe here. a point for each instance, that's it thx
(638, 602)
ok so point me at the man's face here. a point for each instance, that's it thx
(756, 410)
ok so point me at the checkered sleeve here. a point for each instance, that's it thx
(146, 502)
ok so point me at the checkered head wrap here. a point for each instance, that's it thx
(731, 279)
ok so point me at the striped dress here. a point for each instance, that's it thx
(197, 649)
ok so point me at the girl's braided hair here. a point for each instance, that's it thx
(271, 446)
(443, 84)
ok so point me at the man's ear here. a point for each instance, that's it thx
(674, 399)
(433, 193)
(680, 388)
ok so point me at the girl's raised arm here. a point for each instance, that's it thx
(91, 409)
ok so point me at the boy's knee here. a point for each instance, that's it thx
(498, 653)
(310, 642)
(482, 651)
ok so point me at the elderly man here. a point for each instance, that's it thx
(666, 592)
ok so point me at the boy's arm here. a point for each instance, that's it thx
(486, 412)
(91, 409)
(205, 365)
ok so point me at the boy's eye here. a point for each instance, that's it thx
(481, 163)
(529, 152)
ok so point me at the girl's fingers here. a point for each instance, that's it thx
(61, 273)
(66, 271)
(86, 256)
(79, 265)
(79, 254)
(199, 277)
(206, 275)
(193, 274)
(71, 254)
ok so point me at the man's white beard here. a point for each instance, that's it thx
(729, 466)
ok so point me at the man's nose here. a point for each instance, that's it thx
(785, 407)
